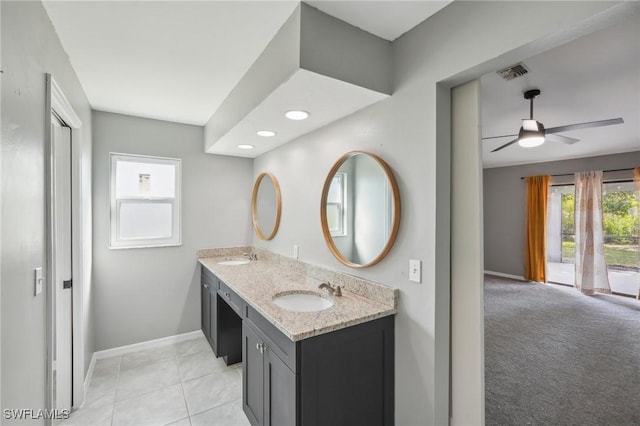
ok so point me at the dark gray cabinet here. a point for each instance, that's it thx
(209, 307)
(346, 377)
(341, 378)
(205, 303)
(252, 376)
(220, 317)
(269, 386)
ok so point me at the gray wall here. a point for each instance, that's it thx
(30, 48)
(403, 131)
(149, 293)
(504, 205)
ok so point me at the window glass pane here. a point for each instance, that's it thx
(621, 246)
(145, 220)
(335, 190)
(141, 179)
(334, 217)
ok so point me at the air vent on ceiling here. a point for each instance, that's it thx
(514, 71)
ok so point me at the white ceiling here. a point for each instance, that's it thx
(174, 61)
(178, 61)
(596, 77)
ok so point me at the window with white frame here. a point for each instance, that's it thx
(336, 205)
(145, 201)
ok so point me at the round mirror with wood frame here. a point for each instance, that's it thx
(360, 209)
(266, 206)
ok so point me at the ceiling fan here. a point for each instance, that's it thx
(532, 133)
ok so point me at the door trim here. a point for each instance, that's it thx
(57, 103)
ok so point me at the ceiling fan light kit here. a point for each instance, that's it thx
(532, 133)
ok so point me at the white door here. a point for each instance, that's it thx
(62, 301)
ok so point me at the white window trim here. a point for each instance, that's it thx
(176, 239)
(342, 232)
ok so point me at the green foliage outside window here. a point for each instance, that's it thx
(620, 219)
(621, 225)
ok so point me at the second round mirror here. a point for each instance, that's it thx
(360, 209)
(266, 205)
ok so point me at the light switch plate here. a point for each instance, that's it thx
(415, 270)
(38, 280)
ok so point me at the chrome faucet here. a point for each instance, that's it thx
(251, 256)
(334, 291)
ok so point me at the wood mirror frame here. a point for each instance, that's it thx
(395, 193)
(254, 206)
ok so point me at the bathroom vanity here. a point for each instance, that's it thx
(333, 366)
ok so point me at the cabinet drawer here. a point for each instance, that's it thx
(276, 340)
(208, 277)
(230, 297)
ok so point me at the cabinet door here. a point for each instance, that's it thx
(205, 302)
(252, 377)
(279, 392)
(213, 319)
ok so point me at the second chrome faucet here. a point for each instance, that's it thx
(334, 291)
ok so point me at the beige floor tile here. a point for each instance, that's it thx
(199, 364)
(145, 357)
(192, 346)
(155, 408)
(156, 375)
(90, 416)
(212, 391)
(229, 414)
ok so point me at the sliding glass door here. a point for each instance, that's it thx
(621, 251)
(561, 235)
(620, 222)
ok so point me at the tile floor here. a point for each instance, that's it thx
(179, 385)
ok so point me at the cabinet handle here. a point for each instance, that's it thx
(261, 347)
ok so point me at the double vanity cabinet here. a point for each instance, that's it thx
(343, 376)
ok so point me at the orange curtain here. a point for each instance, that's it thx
(536, 247)
(636, 179)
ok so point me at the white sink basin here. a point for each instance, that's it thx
(232, 262)
(302, 302)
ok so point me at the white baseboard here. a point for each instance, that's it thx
(89, 375)
(500, 274)
(150, 344)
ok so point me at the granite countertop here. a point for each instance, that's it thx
(260, 280)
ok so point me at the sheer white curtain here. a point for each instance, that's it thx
(591, 267)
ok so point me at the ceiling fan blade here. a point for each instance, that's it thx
(587, 125)
(561, 138)
(498, 137)
(505, 145)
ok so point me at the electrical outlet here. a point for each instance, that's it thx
(296, 252)
(415, 270)
(38, 279)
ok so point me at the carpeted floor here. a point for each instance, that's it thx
(556, 357)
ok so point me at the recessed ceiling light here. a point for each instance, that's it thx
(266, 133)
(245, 146)
(296, 115)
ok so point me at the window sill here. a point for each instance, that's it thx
(145, 246)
